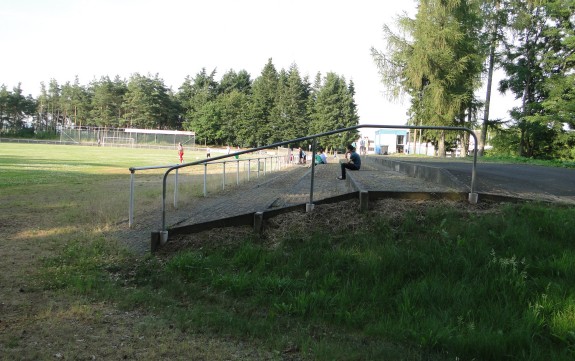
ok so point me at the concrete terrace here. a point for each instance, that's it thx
(286, 190)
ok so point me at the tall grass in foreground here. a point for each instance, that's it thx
(444, 284)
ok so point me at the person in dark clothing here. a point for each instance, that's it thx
(353, 161)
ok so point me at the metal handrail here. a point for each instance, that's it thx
(313, 138)
(207, 161)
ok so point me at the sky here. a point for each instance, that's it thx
(62, 39)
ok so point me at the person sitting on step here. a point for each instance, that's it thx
(353, 161)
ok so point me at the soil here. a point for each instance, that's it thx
(333, 216)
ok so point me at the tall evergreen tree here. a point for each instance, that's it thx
(76, 103)
(14, 109)
(335, 109)
(495, 20)
(107, 102)
(289, 114)
(195, 96)
(264, 97)
(41, 123)
(234, 110)
(240, 81)
(529, 23)
(438, 63)
(539, 63)
(148, 103)
(53, 104)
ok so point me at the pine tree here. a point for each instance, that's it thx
(334, 109)
(107, 102)
(539, 63)
(289, 114)
(264, 96)
(14, 108)
(148, 103)
(437, 63)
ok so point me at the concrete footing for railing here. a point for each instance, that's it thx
(159, 238)
(363, 201)
(473, 198)
(258, 222)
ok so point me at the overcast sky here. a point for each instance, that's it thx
(59, 39)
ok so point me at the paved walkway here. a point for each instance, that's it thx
(525, 181)
(287, 187)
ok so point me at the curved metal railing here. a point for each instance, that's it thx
(472, 194)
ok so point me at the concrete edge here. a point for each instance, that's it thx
(353, 183)
(427, 173)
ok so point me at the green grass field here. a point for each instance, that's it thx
(407, 281)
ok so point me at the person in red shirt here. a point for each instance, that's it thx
(181, 152)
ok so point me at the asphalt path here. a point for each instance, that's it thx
(519, 179)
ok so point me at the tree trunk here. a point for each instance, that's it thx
(492, 46)
(421, 139)
(467, 136)
(441, 145)
(483, 135)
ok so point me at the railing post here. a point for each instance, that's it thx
(176, 190)
(473, 196)
(249, 168)
(224, 175)
(131, 212)
(205, 179)
(238, 172)
(309, 207)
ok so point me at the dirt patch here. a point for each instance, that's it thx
(335, 217)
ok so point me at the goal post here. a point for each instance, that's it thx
(117, 141)
(127, 137)
(162, 137)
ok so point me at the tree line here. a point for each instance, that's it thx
(441, 56)
(236, 110)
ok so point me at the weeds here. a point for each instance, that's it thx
(423, 281)
(484, 289)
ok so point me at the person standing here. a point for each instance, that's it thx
(353, 161)
(181, 152)
(362, 146)
(208, 152)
